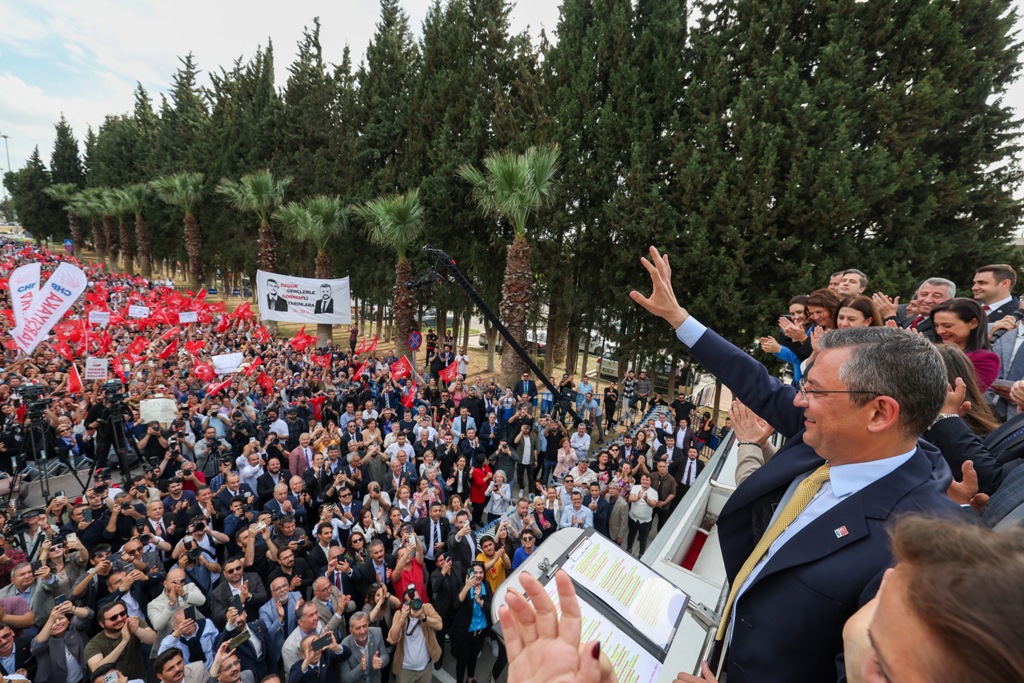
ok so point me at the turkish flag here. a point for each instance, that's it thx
(265, 382)
(74, 380)
(450, 372)
(223, 325)
(173, 332)
(242, 312)
(170, 349)
(317, 402)
(204, 371)
(365, 347)
(138, 346)
(251, 368)
(401, 369)
(263, 335)
(213, 389)
(193, 347)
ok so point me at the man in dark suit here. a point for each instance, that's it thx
(670, 451)
(684, 435)
(461, 544)
(17, 650)
(274, 302)
(685, 471)
(526, 387)
(252, 658)
(248, 585)
(993, 289)
(319, 555)
(930, 293)
(271, 477)
(809, 528)
(325, 304)
(490, 434)
(378, 567)
(434, 530)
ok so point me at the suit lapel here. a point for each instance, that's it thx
(1007, 428)
(781, 470)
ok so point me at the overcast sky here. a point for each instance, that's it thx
(83, 57)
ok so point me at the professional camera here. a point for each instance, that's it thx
(32, 396)
(113, 392)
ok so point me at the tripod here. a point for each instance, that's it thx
(36, 450)
(114, 419)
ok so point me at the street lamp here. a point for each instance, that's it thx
(8, 150)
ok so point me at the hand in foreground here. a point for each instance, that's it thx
(965, 492)
(662, 301)
(748, 425)
(706, 676)
(543, 648)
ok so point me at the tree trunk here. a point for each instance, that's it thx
(404, 309)
(268, 251)
(194, 249)
(455, 329)
(492, 339)
(465, 329)
(145, 249)
(572, 353)
(111, 235)
(515, 305)
(380, 322)
(75, 226)
(99, 241)
(442, 320)
(127, 250)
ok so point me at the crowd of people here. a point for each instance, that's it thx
(319, 511)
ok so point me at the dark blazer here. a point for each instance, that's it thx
(50, 660)
(444, 591)
(1009, 308)
(464, 615)
(994, 457)
(529, 387)
(265, 485)
(905, 320)
(490, 436)
(368, 573)
(259, 666)
(220, 598)
(833, 565)
(25, 658)
(689, 439)
(678, 469)
(460, 550)
(317, 558)
(323, 308)
(329, 669)
(276, 303)
(422, 527)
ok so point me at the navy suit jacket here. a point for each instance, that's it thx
(822, 575)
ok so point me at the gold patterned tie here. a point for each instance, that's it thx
(803, 495)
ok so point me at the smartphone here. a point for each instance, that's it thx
(36, 566)
(112, 676)
(59, 600)
(236, 602)
(87, 514)
(320, 643)
(259, 527)
(190, 613)
(72, 537)
(237, 641)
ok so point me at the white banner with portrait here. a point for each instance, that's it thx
(290, 299)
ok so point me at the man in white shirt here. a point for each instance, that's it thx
(401, 445)
(582, 474)
(641, 512)
(580, 442)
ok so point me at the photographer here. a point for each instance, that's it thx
(106, 402)
(414, 651)
(197, 556)
(242, 430)
(121, 525)
(210, 447)
(153, 445)
(182, 435)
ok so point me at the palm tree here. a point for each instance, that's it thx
(118, 207)
(513, 187)
(90, 205)
(184, 190)
(66, 193)
(316, 220)
(107, 208)
(133, 198)
(260, 193)
(396, 222)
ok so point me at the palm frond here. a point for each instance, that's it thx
(183, 190)
(394, 221)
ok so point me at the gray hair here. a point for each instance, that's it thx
(358, 616)
(894, 363)
(940, 282)
(860, 274)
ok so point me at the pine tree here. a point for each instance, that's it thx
(40, 214)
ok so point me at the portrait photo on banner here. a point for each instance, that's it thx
(285, 298)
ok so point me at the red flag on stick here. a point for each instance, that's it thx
(74, 381)
(119, 368)
(265, 382)
(367, 346)
(450, 372)
(251, 368)
(170, 349)
(323, 361)
(302, 341)
(401, 369)
(263, 335)
(193, 347)
(212, 389)
(409, 397)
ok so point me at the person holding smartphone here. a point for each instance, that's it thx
(321, 660)
(472, 621)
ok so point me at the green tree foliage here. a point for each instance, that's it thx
(39, 213)
(184, 191)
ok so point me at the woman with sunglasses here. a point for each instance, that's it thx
(355, 552)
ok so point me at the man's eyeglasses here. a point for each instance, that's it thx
(804, 391)
(116, 617)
